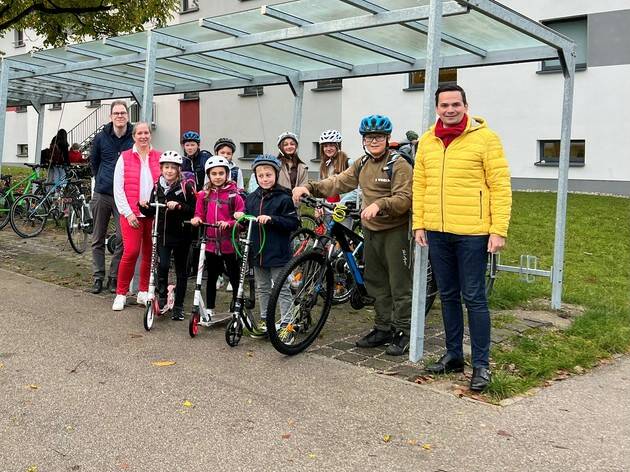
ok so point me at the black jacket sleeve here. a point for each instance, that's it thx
(287, 215)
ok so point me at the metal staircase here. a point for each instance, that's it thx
(84, 132)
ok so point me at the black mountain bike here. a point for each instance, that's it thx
(311, 276)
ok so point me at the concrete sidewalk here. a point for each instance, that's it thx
(79, 392)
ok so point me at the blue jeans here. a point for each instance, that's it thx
(459, 266)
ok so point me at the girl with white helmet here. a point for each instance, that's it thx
(333, 160)
(293, 172)
(174, 238)
(216, 204)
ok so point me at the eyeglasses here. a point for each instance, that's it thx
(119, 113)
(379, 138)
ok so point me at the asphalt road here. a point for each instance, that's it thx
(79, 392)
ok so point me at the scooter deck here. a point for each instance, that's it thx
(217, 319)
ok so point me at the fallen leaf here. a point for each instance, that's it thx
(33, 386)
(387, 438)
(412, 442)
(124, 465)
(504, 434)
(311, 455)
(187, 404)
(249, 354)
(134, 335)
(286, 435)
(32, 468)
(291, 422)
(163, 363)
(422, 379)
(578, 369)
(426, 446)
(69, 428)
(1, 365)
(459, 391)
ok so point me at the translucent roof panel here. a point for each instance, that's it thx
(301, 40)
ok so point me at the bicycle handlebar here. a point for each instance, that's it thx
(201, 223)
(318, 203)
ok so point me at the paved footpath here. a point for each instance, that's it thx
(79, 392)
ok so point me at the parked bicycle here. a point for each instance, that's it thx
(10, 190)
(79, 223)
(312, 278)
(29, 213)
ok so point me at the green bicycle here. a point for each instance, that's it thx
(10, 191)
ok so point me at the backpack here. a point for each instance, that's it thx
(234, 173)
(389, 165)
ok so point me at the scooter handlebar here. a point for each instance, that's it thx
(206, 225)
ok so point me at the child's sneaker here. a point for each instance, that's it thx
(260, 331)
(286, 333)
(119, 302)
(178, 313)
(142, 298)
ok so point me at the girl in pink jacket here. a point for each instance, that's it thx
(217, 203)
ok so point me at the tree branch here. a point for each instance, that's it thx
(40, 7)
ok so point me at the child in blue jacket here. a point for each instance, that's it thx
(274, 209)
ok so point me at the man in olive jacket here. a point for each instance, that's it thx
(385, 180)
(462, 200)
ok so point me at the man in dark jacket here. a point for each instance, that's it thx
(106, 147)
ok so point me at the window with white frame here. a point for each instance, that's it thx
(22, 150)
(188, 6)
(18, 38)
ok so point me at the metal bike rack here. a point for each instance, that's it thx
(527, 270)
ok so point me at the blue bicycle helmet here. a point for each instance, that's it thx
(375, 124)
(267, 160)
(191, 136)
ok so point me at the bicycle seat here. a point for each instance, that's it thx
(34, 166)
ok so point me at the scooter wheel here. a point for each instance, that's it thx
(148, 316)
(193, 325)
(233, 333)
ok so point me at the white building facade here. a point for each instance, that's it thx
(522, 102)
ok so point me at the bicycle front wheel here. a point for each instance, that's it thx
(28, 216)
(5, 208)
(302, 240)
(300, 302)
(78, 236)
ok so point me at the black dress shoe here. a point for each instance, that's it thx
(111, 284)
(480, 379)
(447, 363)
(97, 287)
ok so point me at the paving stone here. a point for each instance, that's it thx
(517, 327)
(377, 364)
(407, 372)
(369, 351)
(351, 358)
(536, 323)
(341, 345)
(326, 351)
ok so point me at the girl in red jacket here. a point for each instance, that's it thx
(217, 203)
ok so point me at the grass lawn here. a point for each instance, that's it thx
(596, 276)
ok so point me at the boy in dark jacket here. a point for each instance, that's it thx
(274, 209)
(173, 236)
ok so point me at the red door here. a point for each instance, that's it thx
(188, 116)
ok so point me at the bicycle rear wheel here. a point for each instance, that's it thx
(78, 236)
(28, 216)
(310, 282)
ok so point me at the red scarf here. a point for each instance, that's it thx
(447, 135)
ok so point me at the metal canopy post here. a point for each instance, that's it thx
(421, 259)
(4, 90)
(39, 108)
(568, 62)
(146, 112)
(298, 101)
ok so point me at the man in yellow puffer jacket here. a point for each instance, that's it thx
(462, 200)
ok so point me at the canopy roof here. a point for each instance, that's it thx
(293, 42)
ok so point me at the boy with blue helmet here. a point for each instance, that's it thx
(385, 180)
(274, 209)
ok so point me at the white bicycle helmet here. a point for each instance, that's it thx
(285, 135)
(171, 156)
(330, 136)
(217, 161)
